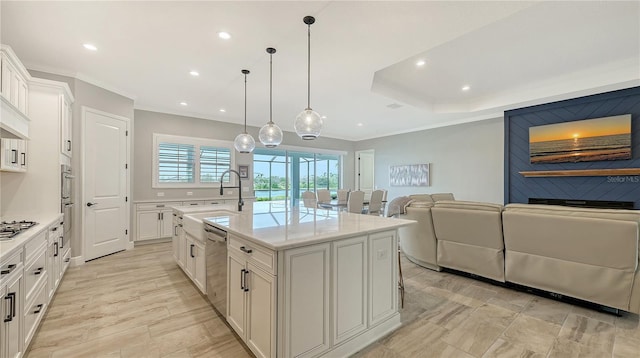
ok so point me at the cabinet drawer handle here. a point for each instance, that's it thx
(38, 271)
(14, 152)
(175, 230)
(38, 309)
(67, 259)
(61, 242)
(193, 204)
(246, 285)
(8, 270)
(242, 279)
(55, 254)
(11, 311)
(191, 250)
(160, 206)
(24, 159)
(244, 249)
(54, 229)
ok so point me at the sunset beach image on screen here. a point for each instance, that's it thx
(607, 138)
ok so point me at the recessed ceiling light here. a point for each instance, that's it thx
(183, 103)
(421, 63)
(466, 88)
(224, 35)
(360, 124)
(222, 110)
(90, 47)
(194, 73)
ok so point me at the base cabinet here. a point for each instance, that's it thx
(154, 221)
(11, 313)
(251, 304)
(195, 265)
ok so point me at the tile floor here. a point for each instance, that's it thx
(139, 304)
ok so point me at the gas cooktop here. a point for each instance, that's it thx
(12, 228)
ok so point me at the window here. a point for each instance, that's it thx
(186, 162)
(285, 174)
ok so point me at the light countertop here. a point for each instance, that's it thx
(278, 226)
(161, 199)
(7, 248)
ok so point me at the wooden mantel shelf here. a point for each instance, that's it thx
(581, 173)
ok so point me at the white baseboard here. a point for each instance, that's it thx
(129, 245)
(76, 261)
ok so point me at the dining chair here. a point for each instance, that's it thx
(309, 199)
(324, 196)
(343, 195)
(355, 202)
(375, 203)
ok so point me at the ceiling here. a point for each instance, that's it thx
(364, 76)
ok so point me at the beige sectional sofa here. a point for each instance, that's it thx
(469, 237)
(589, 254)
(418, 242)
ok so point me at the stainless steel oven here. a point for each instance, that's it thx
(66, 205)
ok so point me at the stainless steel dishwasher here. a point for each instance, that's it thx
(216, 256)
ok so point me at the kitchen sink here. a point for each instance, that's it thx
(192, 223)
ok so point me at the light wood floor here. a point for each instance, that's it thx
(138, 303)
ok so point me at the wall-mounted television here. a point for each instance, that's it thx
(607, 138)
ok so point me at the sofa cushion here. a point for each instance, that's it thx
(421, 197)
(442, 196)
(420, 204)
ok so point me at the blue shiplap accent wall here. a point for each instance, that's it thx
(519, 189)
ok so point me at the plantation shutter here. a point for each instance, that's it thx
(176, 163)
(213, 162)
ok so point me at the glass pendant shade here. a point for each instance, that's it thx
(244, 143)
(308, 124)
(270, 135)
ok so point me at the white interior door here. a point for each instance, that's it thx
(105, 183)
(365, 172)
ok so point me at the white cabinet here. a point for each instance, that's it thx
(349, 287)
(11, 343)
(154, 221)
(306, 302)
(195, 265)
(54, 262)
(14, 155)
(14, 94)
(65, 126)
(251, 298)
(383, 276)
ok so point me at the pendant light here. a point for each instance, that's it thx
(308, 124)
(270, 134)
(244, 142)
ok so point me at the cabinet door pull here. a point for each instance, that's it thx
(54, 229)
(8, 270)
(191, 250)
(244, 249)
(68, 145)
(55, 254)
(38, 271)
(61, 242)
(24, 159)
(11, 311)
(246, 285)
(175, 230)
(38, 309)
(242, 279)
(161, 216)
(14, 152)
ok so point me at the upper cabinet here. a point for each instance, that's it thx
(65, 125)
(14, 94)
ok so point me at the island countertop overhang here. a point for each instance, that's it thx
(279, 227)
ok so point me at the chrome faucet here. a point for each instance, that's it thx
(240, 201)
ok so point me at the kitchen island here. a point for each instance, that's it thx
(306, 282)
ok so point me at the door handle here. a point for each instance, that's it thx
(246, 285)
(90, 204)
(11, 312)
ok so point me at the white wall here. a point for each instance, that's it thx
(466, 159)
